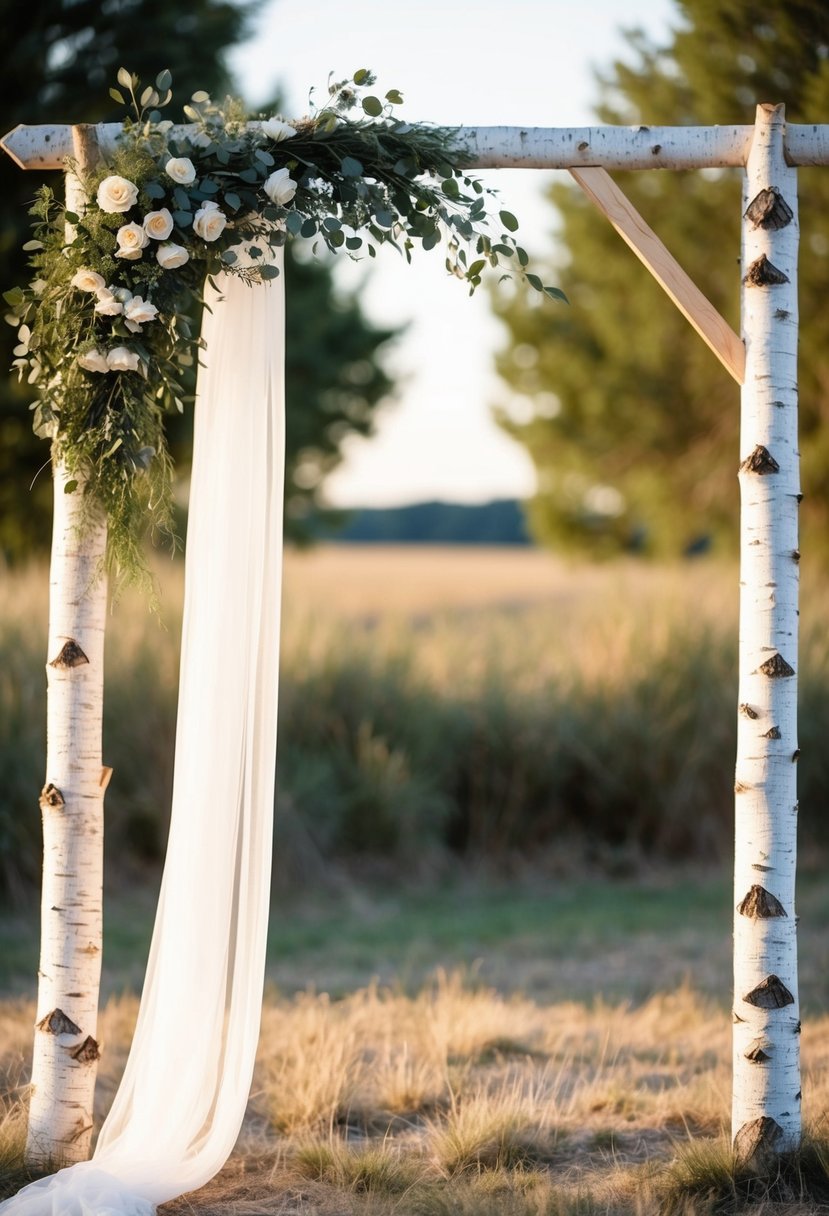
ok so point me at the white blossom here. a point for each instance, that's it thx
(116, 194)
(277, 129)
(138, 312)
(93, 361)
(131, 240)
(169, 256)
(181, 169)
(209, 221)
(121, 359)
(158, 224)
(280, 187)
(87, 280)
(108, 305)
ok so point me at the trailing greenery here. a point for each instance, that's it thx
(335, 378)
(102, 329)
(65, 55)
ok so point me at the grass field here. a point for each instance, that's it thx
(504, 1032)
(530, 1045)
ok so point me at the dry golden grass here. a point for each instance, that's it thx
(462, 1099)
(379, 580)
(519, 613)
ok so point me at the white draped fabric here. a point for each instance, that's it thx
(179, 1108)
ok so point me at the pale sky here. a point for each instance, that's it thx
(457, 62)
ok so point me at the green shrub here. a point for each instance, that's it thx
(606, 731)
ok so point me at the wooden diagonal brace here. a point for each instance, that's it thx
(601, 189)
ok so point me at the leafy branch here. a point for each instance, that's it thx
(103, 334)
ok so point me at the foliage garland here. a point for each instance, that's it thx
(103, 333)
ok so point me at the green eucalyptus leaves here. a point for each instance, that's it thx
(104, 330)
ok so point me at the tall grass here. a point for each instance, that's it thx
(574, 714)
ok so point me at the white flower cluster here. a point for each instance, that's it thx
(114, 302)
(119, 359)
(117, 195)
(210, 221)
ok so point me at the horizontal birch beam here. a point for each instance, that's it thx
(642, 147)
(607, 147)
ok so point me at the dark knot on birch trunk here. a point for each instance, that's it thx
(776, 668)
(760, 904)
(758, 1142)
(760, 461)
(771, 993)
(57, 1022)
(769, 210)
(763, 273)
(87, 1052)
(51, 798)
(759, 1052)
(748, 712)
(70, 655)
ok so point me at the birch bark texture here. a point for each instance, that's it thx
(65, 1046)
(766, 1118)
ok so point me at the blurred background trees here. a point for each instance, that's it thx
(521, 728)
(632, 424)
(63, 56)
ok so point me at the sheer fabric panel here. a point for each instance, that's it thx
(180, 1105)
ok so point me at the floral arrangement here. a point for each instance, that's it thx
(103, 329)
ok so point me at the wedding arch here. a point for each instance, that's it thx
(155, 215)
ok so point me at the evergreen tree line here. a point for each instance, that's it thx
(634, 425)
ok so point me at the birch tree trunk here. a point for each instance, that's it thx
(766, 1097)
(65, 1046)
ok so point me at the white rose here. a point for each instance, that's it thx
(280, 187)
(158, 224)
(131, 240)
(209, 221)
(120, 359)
(87, 280)
(108, 305)
(170, 256)
(116, 194)
(181, 169)
(137, 312)
(277, 129)
(93, 361)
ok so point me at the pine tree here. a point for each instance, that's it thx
(634, 429)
